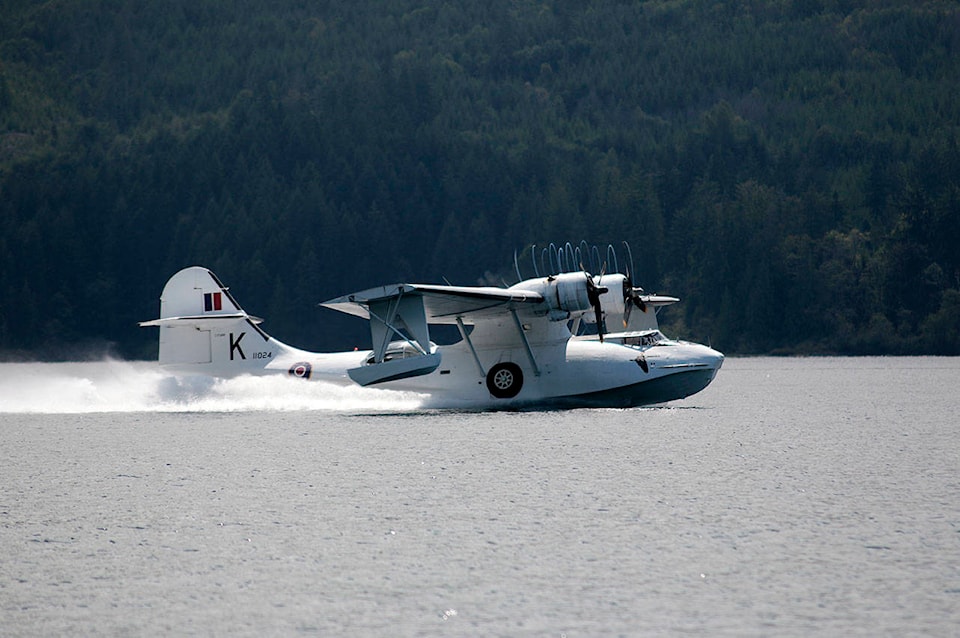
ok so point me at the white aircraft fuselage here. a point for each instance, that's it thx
(517, 349)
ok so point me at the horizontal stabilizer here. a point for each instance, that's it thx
(198, 321)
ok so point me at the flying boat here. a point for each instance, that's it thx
(542, 342)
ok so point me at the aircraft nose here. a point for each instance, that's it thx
(714, 357)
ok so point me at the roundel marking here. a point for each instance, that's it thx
(301, 370)
(505, 380)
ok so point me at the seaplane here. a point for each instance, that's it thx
(539, 343)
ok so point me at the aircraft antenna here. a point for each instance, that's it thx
(554, 257)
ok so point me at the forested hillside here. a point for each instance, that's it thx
(789, 168)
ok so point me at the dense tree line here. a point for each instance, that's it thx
(789, 168)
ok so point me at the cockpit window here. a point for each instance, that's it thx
(400, 350)
(651, 338)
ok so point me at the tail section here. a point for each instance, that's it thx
(203, 330)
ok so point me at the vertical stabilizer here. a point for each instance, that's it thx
(203, 330)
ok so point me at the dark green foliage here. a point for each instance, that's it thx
(790, 168)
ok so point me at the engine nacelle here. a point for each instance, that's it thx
(611, 301)
(568, 292)
(565, 294)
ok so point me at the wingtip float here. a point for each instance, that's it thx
(520, 345)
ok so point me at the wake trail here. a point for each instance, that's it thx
(125, 386)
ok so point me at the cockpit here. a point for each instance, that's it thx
(401, 350)
(645, 338)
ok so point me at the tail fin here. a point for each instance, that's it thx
(203, 330)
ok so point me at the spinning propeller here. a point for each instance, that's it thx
(565, 258)
(593, 294)
(632, 296)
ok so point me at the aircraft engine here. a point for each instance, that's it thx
(611, 301)
(573, 294)
(569, 292)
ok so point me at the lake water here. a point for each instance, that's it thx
(793, 497)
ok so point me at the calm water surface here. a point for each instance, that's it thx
(793, 497)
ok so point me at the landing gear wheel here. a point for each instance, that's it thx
(505, 380)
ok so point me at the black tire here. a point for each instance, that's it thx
(504, 380)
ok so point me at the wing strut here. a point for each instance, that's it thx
(526, 344)
(466, 337)
(397, 315)
(406, 310)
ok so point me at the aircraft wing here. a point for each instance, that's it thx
(441, 304)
